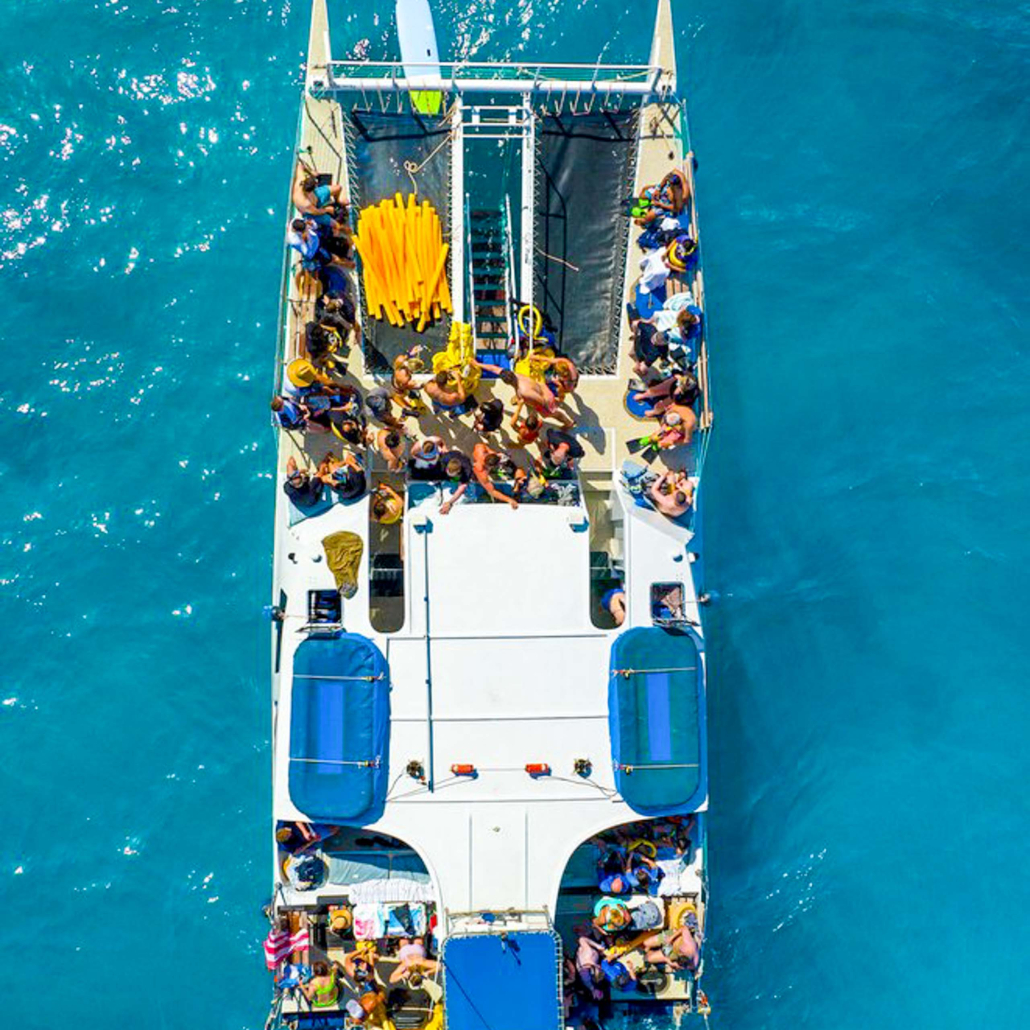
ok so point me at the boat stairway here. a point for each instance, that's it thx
(489, 276)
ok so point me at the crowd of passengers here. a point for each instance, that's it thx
(630, 938)
(397, 419)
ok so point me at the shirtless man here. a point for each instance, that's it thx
(407, 392)
(317, 202)
(677, 426)
(487, 462)
(529, 391)
(672, 494)
(390, 445)
(447, 390)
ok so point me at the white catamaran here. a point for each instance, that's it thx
(488, 664)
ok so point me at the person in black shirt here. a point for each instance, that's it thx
(559, 451)
(489, 416)
(302, 488)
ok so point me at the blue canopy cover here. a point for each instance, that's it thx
(340, 729)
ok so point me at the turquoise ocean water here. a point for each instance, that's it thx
(862, 182)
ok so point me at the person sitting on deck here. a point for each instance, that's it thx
(679, 320)
(448, 393)
(672, 494)
(678, 389)
(457, 469)
(412, 956)
(558, 453)
(360, 964)
(654, 271)
(391, 446)
(526, 429)
(424, 462)
(613, 601)
(317, 250)
(323, 989)
(324, 204)
(489, 416)
(487, 463)
(673, 947)
(292, 413)
(588, 965)
(302, 378)
(387, 505)
(326, 343)
(669, 198)
(676, 427)
(649, 345)
(613, 869)
(302, 488)
(532, 393)
(345, 475)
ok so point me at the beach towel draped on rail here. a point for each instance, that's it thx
(340, 729)
(656, 719)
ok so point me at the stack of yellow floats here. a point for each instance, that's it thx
(403, 259)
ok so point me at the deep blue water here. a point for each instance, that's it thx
(862, 180)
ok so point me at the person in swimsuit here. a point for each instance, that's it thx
(676, 427)
(387, 505)
(406, 391)
(412, 956)
(680, 389)
(673, 947)
(447, 391)
(322, 204)
(391, 447)
(529, 392)
(322, 990)
(526, 429)
(672, 494)
(486, 463)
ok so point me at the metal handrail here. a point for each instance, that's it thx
(509, 277)
(489, 69)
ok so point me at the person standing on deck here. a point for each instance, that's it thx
(486, 462)
(528, 391)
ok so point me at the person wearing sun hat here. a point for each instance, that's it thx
(303, 378)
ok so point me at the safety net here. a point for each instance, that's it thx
(656, 719)
(340, 729)
(381, 148)
(509, 982)
(585, 169)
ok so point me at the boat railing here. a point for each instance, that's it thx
(490, 76)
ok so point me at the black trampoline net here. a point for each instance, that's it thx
(378, 145)
(585, 169)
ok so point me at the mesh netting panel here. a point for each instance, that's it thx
(378, 144)
(586, 166)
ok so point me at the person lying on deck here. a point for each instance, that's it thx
(678, 389)
(457, 469)
(559, 453)
(447, 390)
(672, 494)
(303, 489)
(487, 464)
(529, 392)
